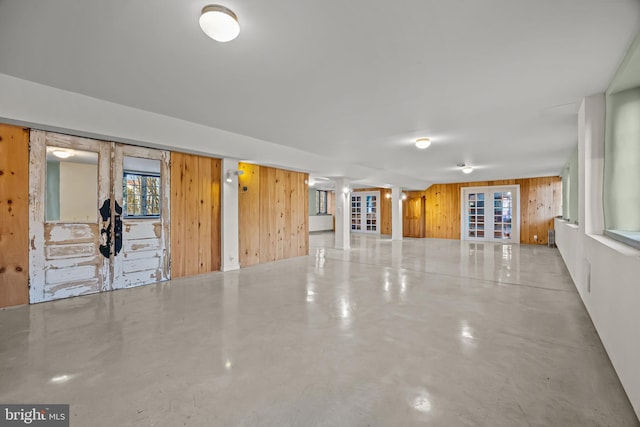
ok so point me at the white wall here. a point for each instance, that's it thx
(606, 273)
(320, 223)
(38, 106)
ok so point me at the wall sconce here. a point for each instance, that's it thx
(230, 174)
(404, 196)
(345, 190)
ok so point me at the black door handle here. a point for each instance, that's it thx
(105, 232)
(117, 229)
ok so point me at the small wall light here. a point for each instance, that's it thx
(404, 196)
(345, 190)
(230, 174)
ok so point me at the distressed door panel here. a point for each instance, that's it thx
(64, 256)
(144, 256)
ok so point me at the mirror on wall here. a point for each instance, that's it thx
(71, 185)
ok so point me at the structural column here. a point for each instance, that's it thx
(396, 213)
(343, 214)
(229, 216)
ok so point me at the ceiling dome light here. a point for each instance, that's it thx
(467, 169)
(423, 143)
(219, 23)
(61, 154)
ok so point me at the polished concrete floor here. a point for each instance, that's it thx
(434, 332)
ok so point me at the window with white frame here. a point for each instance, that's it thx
(622, 167)
(321, 202)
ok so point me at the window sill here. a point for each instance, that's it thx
(629, 238)
(569, 224)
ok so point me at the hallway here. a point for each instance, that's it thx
(423, 331)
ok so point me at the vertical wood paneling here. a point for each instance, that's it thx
(385, 211)
(331, 202)
(303, 218)
(195, 214)
(273, 214)
(291, 215)
(268, 228)
(540, 202)
(178, 215)
(216, 215)
(205, 209)
(14, 215)
(249, 214)
(282, 178)
(191, 238)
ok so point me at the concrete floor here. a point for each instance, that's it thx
(436, 332)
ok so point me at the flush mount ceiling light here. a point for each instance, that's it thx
(423, 143)
(466, 168)
(62, 154)
(219, 23)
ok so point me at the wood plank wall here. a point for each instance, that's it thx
(273, 211)
(540, 202)
(14, 215)
(195, 214)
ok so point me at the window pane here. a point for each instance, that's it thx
(622, 161)
(141, 195)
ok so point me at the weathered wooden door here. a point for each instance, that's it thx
(99, 216)
(69, 181)
(141, 188)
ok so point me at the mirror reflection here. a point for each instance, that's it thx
(71, 185)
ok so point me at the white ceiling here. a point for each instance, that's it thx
(494, 83)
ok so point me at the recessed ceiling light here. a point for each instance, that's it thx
(423, 143)
(219, 23)
(62, 154)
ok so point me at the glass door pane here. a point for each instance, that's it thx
(371, 213)
(356, 214)
(502, 215)
(475, 215)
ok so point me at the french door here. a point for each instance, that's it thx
(491, 213)
(365, 215)
(85, 237)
